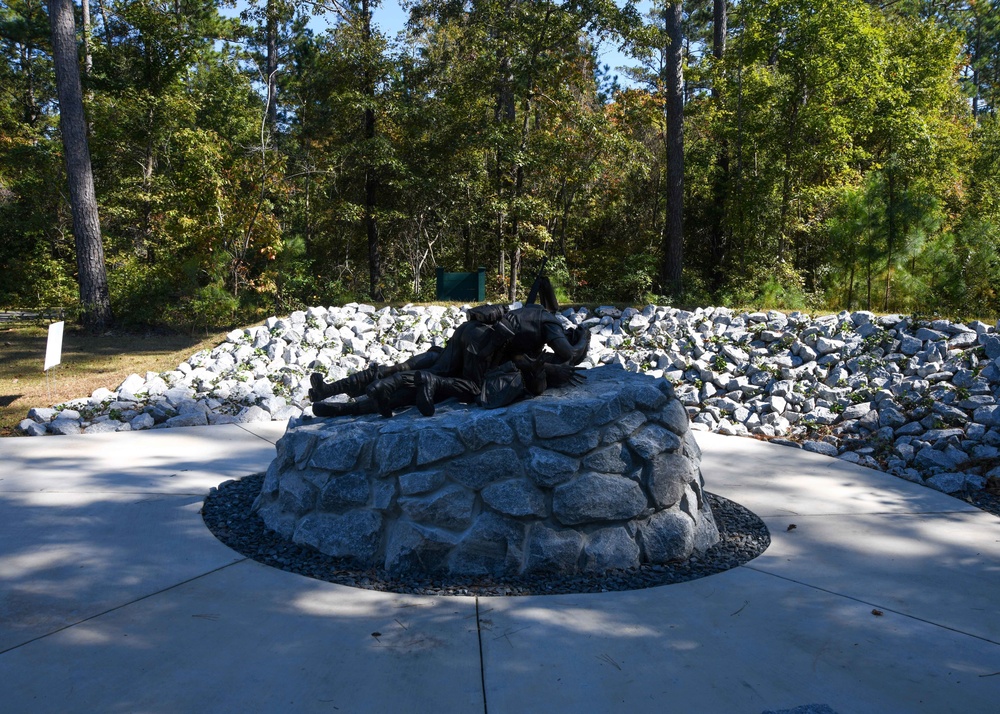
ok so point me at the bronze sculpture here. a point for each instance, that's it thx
(494, 358)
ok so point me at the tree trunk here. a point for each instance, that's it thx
(307, 199)
(515, 270)
(566, 199)
(503, 266)
(104, 23)
(94, 297)
(31, 108)
(371, 177)
(371, 224)
(976, 52)
(868, 263)
(850, 287)
(719, 26)
(890, 234)
(143, 243)
(721, 180)
(503, 113)
(786, 181)
(673, 233)
(515, 263)
(271, 40)
(88, 59)
(467, 246)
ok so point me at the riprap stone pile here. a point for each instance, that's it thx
(918, 399)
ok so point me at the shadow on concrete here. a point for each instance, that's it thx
(249, 638)
(880, 600)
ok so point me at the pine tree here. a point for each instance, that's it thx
(94, 295)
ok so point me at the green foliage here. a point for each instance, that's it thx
(141, 294)
(778, 295)
(832, 157)
(38, 280)
(974, 268)
(619, 277)
(211, 306)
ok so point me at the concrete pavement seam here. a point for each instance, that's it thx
(872, 604)
(482, 662)
(123, 605)
(262, 438)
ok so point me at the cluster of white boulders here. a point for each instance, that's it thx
(258, 374)
(584, 479)
(918, 399)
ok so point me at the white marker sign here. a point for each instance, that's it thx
(53, 349)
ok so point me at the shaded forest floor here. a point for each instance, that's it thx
(88, 361)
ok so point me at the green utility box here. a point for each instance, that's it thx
(461, 287)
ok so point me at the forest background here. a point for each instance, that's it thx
(816, 154)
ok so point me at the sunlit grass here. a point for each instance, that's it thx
(88, 361)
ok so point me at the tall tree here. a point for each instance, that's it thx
(272, 21)
(94, 295)
(269, 30)
(718, 248)
(523, 83)
(352, 67)
(368, 79)
(673, 79)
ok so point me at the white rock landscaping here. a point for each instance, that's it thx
(920, 400)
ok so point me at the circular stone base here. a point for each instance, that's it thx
(584, 479)
(228, 515)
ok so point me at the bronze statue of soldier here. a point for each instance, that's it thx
(494, 358)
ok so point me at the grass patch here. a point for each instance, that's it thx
(88, 361)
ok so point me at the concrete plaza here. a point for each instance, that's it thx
(115, 597)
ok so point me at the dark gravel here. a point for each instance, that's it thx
(988, 499)
(227, 514)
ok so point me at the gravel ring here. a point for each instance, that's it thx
(227, 513)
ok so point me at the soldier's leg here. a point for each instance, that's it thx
(432, 389)
(362, 405)
(392, 392)
(353, 385)
(424, 360)
(542, 288)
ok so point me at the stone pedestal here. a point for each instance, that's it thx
(583, 479)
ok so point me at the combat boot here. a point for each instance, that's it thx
(353, 385)
(362, 405)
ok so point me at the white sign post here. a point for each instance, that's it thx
(53, 352)
(53, 348)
